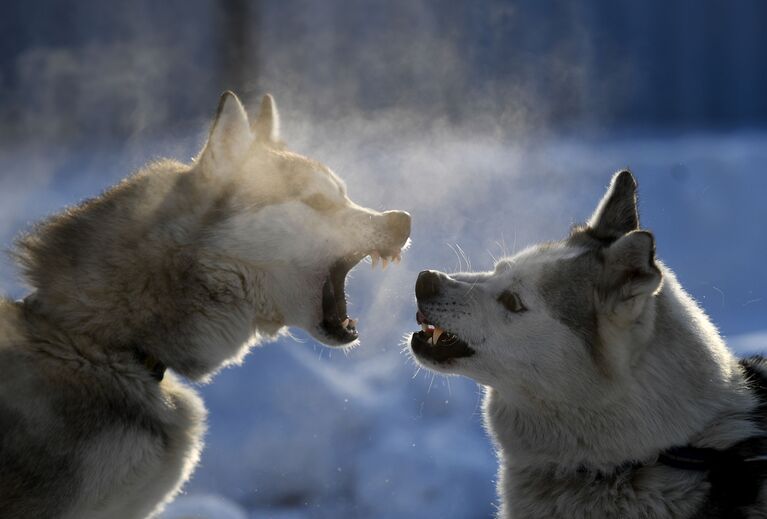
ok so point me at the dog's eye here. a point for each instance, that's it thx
(511, 301)
(319, 202)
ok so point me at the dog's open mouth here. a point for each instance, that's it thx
(335, 320)
(437, 344)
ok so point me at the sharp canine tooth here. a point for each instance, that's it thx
(437, 333)
(346, 322)
(353, 323)
(425, 327)
(374, 257)
(384, 263)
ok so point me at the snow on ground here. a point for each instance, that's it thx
(302, 431)
(204, 506)
(749, 343)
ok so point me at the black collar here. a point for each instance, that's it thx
(735, 474)
(750, 453)
(691, 458)
(153, 364)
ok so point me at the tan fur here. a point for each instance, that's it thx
(188, 264)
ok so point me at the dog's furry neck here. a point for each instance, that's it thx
(131, 268)
(655, 406)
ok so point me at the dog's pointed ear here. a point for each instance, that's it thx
(617, 212)
(230, 135)
(631, 274)
(267, 124)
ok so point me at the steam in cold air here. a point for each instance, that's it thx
(402, 112)
(406, 130)
(476, 118)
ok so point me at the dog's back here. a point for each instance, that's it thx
(80, 425)
(30, 467)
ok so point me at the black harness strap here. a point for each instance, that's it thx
(689, 458)
(736, 474)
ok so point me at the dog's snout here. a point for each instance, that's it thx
(399, 224)
(427, 285)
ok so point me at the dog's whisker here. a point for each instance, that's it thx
(465, 257)
(433, 376)
(457, 257)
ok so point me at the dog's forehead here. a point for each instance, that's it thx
(535, 261)
(305, 175)
(339, 184)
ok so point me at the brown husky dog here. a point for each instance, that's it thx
(180, 265)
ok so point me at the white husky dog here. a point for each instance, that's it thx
(609, 393)
(180, 265)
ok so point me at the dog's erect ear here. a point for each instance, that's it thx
(631, 274)
(617, 213)
(267, 125)
(230, 136)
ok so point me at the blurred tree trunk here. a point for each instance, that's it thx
(238, 45)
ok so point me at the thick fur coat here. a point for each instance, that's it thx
(595, 361)
(180, 265)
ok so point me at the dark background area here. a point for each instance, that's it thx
(79, 70)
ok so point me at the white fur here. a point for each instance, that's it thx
(567, 408)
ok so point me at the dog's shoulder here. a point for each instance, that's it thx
(29, 464)
(81, 426)
(739, 479)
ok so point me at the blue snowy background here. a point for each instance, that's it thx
(496, 124)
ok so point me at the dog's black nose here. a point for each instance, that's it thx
(399, 224)
(427, 285)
